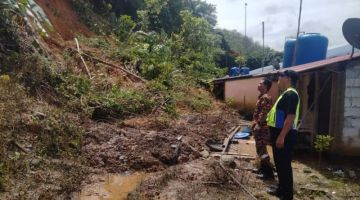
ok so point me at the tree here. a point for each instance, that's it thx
(251, 50)
(199, 45)
(240, 60)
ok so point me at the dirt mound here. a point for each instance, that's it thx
(120, 148)
(65, 21)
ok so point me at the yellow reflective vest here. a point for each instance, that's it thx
(276, 118)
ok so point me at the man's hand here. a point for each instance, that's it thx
(257, 127)
(280, 141)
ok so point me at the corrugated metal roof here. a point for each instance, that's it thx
(299, 68)
(322, 63)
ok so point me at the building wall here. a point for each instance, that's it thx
(351, 129)
(244, 91)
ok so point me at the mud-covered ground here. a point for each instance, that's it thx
(141, 144)
(203, 178)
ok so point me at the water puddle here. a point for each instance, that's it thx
(111, 187)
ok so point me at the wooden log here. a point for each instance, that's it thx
(114, 66)
(228, 139)
(82, 59)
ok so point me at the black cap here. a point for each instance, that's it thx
(294, 76)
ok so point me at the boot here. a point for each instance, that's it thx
(256, 170)
(267, 173)
(274, 191)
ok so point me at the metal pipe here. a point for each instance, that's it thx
(297, 35)
(245, 17)
(352, 52)
(263, 46)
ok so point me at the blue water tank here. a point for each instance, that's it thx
(245, 71)
(289, 48)
(234, 71)
(311, 47)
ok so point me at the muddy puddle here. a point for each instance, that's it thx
(110, 187)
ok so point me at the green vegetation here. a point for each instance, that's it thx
(249, 50)
(45, 106)
(167, 23)
(322, 143)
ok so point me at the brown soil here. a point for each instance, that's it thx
(134, 145)
(63, 18)
(205, 179)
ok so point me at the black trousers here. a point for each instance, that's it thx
(282, 158)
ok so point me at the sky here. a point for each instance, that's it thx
(281, 17)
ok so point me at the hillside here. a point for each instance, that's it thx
(114, 103)
(250, 50)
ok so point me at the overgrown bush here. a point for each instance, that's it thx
(125, 27)
(120, 102)
(322, 143)
(74, 86)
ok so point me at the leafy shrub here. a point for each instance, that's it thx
(200, 103)
(74, 86)
(125, 27)
(118, 103)
(323, 142)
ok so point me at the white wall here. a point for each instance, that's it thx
(351, 129)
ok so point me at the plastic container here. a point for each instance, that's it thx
(311, 47)
(289, 48)
(245, 71)
(234, 71)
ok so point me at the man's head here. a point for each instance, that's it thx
(288, 78)
(264, 86)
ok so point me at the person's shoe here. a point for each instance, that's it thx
(274, 192)
(265, 177)
(256, 170)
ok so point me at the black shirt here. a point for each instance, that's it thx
(288, 103)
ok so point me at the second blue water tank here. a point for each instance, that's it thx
(245, 71)
(311, 47)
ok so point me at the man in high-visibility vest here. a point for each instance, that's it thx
(282, 121)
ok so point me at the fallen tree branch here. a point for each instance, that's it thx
(237, 181)
(226, 145)
(228, 139)
(82, 59)
(237, 156)
(114, 66)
